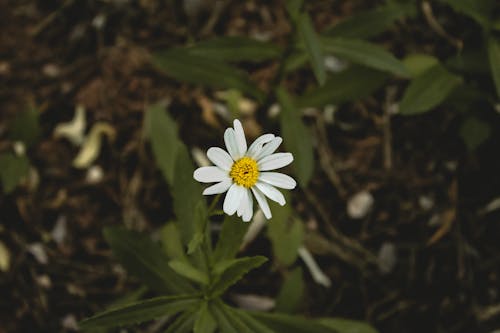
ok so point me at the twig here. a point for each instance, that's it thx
(434, 24)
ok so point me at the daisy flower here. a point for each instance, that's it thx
(243, 172)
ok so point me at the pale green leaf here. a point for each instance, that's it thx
(372, 22)
(494, 57)
(418, 63)
(428, 90)
(364, 53)
(291, 293)
(13, 169)
(313, 46)
(187, 270)
(227, 321)
(286, 236)
(230, 238)
(296, 137)
(205, 321)
(251, 322)
(235, 48)
(140, 312)
(352, 84)
(183, 66)
(283, 323)
(234, 272)
(347, 326)
(474, 132)
(146, 260)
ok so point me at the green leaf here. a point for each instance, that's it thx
(171, 240)
(283, 323)
(471, 60)
(297, 138)
(418, 63)
(25, 127)
(200, 218)
(197, 69)
(162, 132)
(474, 132)
(230, 238)
(312, 46)
(494, 56)
(189, 203)
(428, 90)
(235, 48)
(227, 321)
(183, 324)
(251, 322)
(205, 321)
(346, 326)
(187, 270)
(291, 293)
(479, 10)
(234, 272)
(12, 170)
(352, 84)
(364, 53)
(146, 260)
(287, 237)
(140, 312)
(293, 8)
(372, 22)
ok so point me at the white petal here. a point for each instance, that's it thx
(278, 179)
(218, 188)
(233, 199)
(210, 174)
(261, 200)
(248, 212)
(231, 145)
(271, 193)
(240, 137)
(256, 146)
(275, 161)
(220, 158)
(269, 148)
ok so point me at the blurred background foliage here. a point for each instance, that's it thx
(389, 107)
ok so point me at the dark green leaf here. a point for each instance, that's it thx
(234, 272)
(189, 203)
(140, 312)
(364, 53)
(12, 170)
(162, 132)
(471, 60)
(187, 270)
(297, 138)
(479, 10)
(312, 46)
(183, 324)
(146, 260)
(283, 323)
(197, 69)
(235, 49)
(494, 56)
(428, 90)
(25, 127)
(352, 84)
(205, 321)
(372, 22)
(251, 322)
(227, 321)
(291, 293)
(171, 240)
(474, 132)
(230, 238)
(293, 8)
(418, 63)
(346, 326)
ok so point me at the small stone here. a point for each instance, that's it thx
(387, 258)
(360, 205)
(38, 251)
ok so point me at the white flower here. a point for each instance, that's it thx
(245, 171)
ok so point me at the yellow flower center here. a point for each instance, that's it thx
(245, 172)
